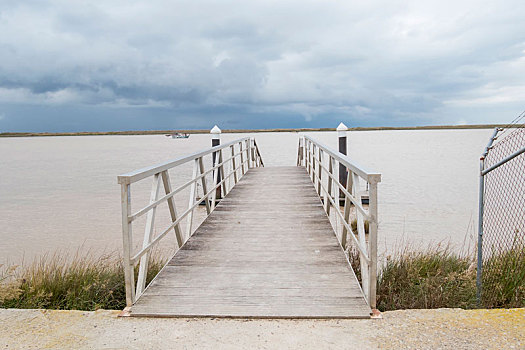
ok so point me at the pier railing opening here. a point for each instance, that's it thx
(230, 162)
(344, 195)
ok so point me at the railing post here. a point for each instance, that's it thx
(252, 152)
(216, 141)
(127, 243)
(300, 151)
(343, 147)
(372, 241)
(248, 152)
(241, 152)
(320, 170)
(329, 187)
(232, 149)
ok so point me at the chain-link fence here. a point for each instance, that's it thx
(501, 248)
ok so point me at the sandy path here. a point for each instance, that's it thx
(414, 329)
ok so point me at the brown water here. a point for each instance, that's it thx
(62, 192)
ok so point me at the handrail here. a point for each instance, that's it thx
(245, 148)
(143, 173)
(319, 159)
(347, 162)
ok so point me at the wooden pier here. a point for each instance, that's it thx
(260, 255)
(257, 254)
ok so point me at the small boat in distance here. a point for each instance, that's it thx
(178, 135)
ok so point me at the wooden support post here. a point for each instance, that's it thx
(127, 243)
(216, 141)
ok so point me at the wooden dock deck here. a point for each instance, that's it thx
(268, 250)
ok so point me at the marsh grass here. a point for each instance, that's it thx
(437, 277)
(59, 282)
(413, 278)
(427, 279)
(504, 279)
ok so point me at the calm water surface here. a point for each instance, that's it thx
(61, 193)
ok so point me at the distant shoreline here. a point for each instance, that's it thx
(230, 131)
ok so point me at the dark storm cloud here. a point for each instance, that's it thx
(159, 64)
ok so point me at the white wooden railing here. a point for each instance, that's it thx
(320, 161)
(243, 154)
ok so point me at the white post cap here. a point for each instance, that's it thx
(215, 132)
(341, 130)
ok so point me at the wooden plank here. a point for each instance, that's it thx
(267, 250)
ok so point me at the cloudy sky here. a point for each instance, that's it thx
(127, 65)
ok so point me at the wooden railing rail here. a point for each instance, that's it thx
(320, 161)
(243, 155)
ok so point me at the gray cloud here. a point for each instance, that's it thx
(293, 63)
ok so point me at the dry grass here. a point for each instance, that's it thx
(428, 279)
(60, 282)
(410, 279)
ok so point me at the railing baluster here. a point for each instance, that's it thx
(248, 152)
(361, 237)
(298, 152)
(319, 170)
(222, 175)
(191, 200)
(252, 153)
(242, 158)
(204, 187)
(172, 207)
(232, 148)
(148, 231)
(215, 186)
(347, 207)
(329, 188)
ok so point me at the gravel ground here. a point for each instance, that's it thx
(411, 329)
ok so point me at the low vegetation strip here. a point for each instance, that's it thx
(411, 279)
(63, 283)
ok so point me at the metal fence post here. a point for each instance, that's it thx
(479, 275)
